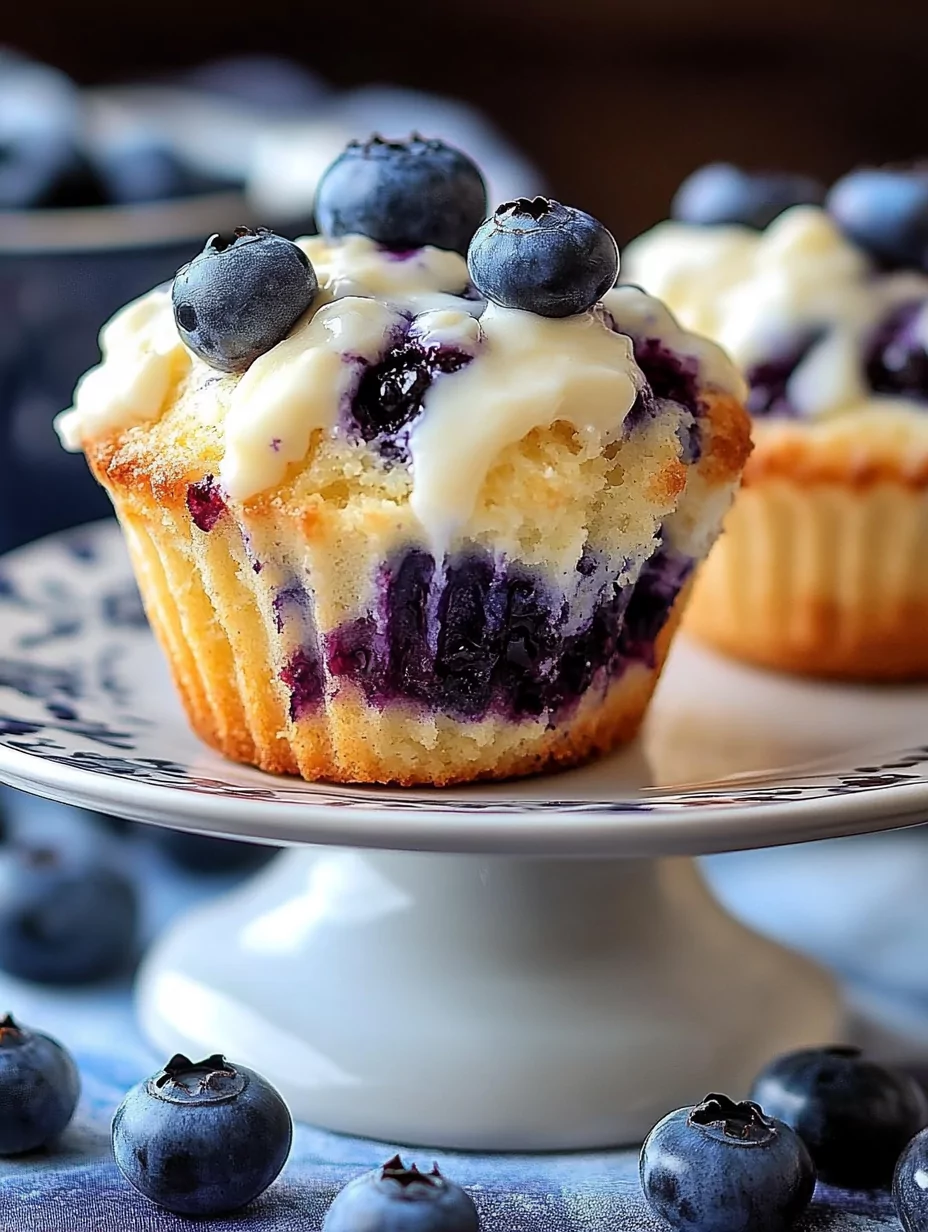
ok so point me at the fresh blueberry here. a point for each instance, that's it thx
(897, 356)
(854, 1115)
(722, 193)
(39, 1088)
(885, 211)
(395, 1198)
(202, 1137)
(241, 296)
(143, 168)
(725, 1167)
(202, 853)
(910, 1185)
(403, 194)
(543, 257)
(64, 918)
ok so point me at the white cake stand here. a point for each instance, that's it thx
(530, 965)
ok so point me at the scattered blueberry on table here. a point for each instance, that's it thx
(854, 1115)
(241, 296)
(203, 853)
(65, 917)
(885, 211)
(721, 193)
(403, 194)
(395, 1198)
(543, 257)
(202, 1137)
(910, 1185)
(39, 1088)
(722, 1166)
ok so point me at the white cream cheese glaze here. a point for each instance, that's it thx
(297, 388)
(143, 357)
(757, 292)
(642, 316)
(358, 266)
(528, 372)
(532, 371)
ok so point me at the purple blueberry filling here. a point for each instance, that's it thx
(768, 380)
(390, 393)
(408, 657)
(302, 675)
(672, 377)
(495, 641)
(399, 254)
(652, 597)
(897, 360)
(205, 503)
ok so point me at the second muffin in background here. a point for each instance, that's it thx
(823, 568)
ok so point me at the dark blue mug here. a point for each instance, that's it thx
(62, 276)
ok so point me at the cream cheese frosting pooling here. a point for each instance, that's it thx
(512, 372)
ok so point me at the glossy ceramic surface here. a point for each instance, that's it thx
(483, 1004)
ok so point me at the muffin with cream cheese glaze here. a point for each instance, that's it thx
(388, 529)
(822, 567)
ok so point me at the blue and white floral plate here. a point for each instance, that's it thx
(731, 757)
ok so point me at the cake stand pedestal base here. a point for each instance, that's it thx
(482, 1003)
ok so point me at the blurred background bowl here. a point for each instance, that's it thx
(62, 274)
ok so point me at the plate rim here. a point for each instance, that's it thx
(487, 831)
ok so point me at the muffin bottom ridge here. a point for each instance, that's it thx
(287, 712)
(603, 721)
(820, 579)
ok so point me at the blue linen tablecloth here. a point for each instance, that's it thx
(858, 904)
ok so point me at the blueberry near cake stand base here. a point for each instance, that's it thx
(486, 1004)
(526, 965)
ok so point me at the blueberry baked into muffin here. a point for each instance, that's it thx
(404, 516)
(824, 565)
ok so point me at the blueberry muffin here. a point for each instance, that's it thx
(402, 516)
(822, 569)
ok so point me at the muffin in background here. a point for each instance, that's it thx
(398, 516)
(823, 568)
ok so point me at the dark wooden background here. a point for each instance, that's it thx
(615, 101)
